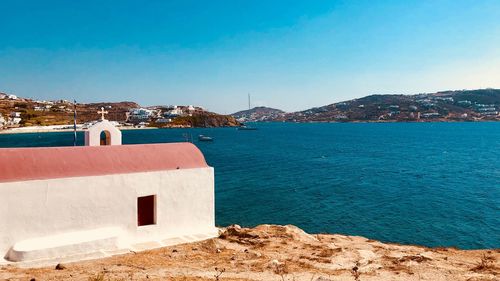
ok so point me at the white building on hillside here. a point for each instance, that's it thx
(137, 115)
(59, 203)
(174, 112)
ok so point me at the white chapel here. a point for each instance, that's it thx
(101, 199)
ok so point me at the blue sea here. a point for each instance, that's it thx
(433, 184)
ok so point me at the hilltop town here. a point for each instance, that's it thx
(464, 105)
(18, 112)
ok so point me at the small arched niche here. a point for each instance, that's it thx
(105, 138)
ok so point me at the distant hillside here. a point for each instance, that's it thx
(260, 113)
(21, 112)
(466, 105)
(44, 113)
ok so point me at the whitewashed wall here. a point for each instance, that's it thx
(33, 209)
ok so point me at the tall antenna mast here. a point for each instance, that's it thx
(74, 122)
(249, 101)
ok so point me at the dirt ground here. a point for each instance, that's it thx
(271, 252)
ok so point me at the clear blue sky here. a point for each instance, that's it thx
(288, 54)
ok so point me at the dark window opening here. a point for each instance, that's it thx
(105, 138)
(146, 210)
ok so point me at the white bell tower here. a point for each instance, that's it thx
(103, 133)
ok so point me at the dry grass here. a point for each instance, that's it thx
(355, 272)
(328, 252)
(487, 263)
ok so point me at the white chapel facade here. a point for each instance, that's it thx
(103, 198)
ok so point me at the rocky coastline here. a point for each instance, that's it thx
(273, 252)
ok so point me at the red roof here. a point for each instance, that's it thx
(22, 164)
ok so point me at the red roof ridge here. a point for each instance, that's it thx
(37, 163)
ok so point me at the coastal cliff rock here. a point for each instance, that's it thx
(273, 252)
(205, 120)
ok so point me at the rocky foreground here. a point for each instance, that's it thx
(270, 252)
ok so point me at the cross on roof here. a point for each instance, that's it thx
(102, 112)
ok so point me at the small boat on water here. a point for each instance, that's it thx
(205, 138)
(246, 128)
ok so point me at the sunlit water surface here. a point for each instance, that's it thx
(434, 184)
